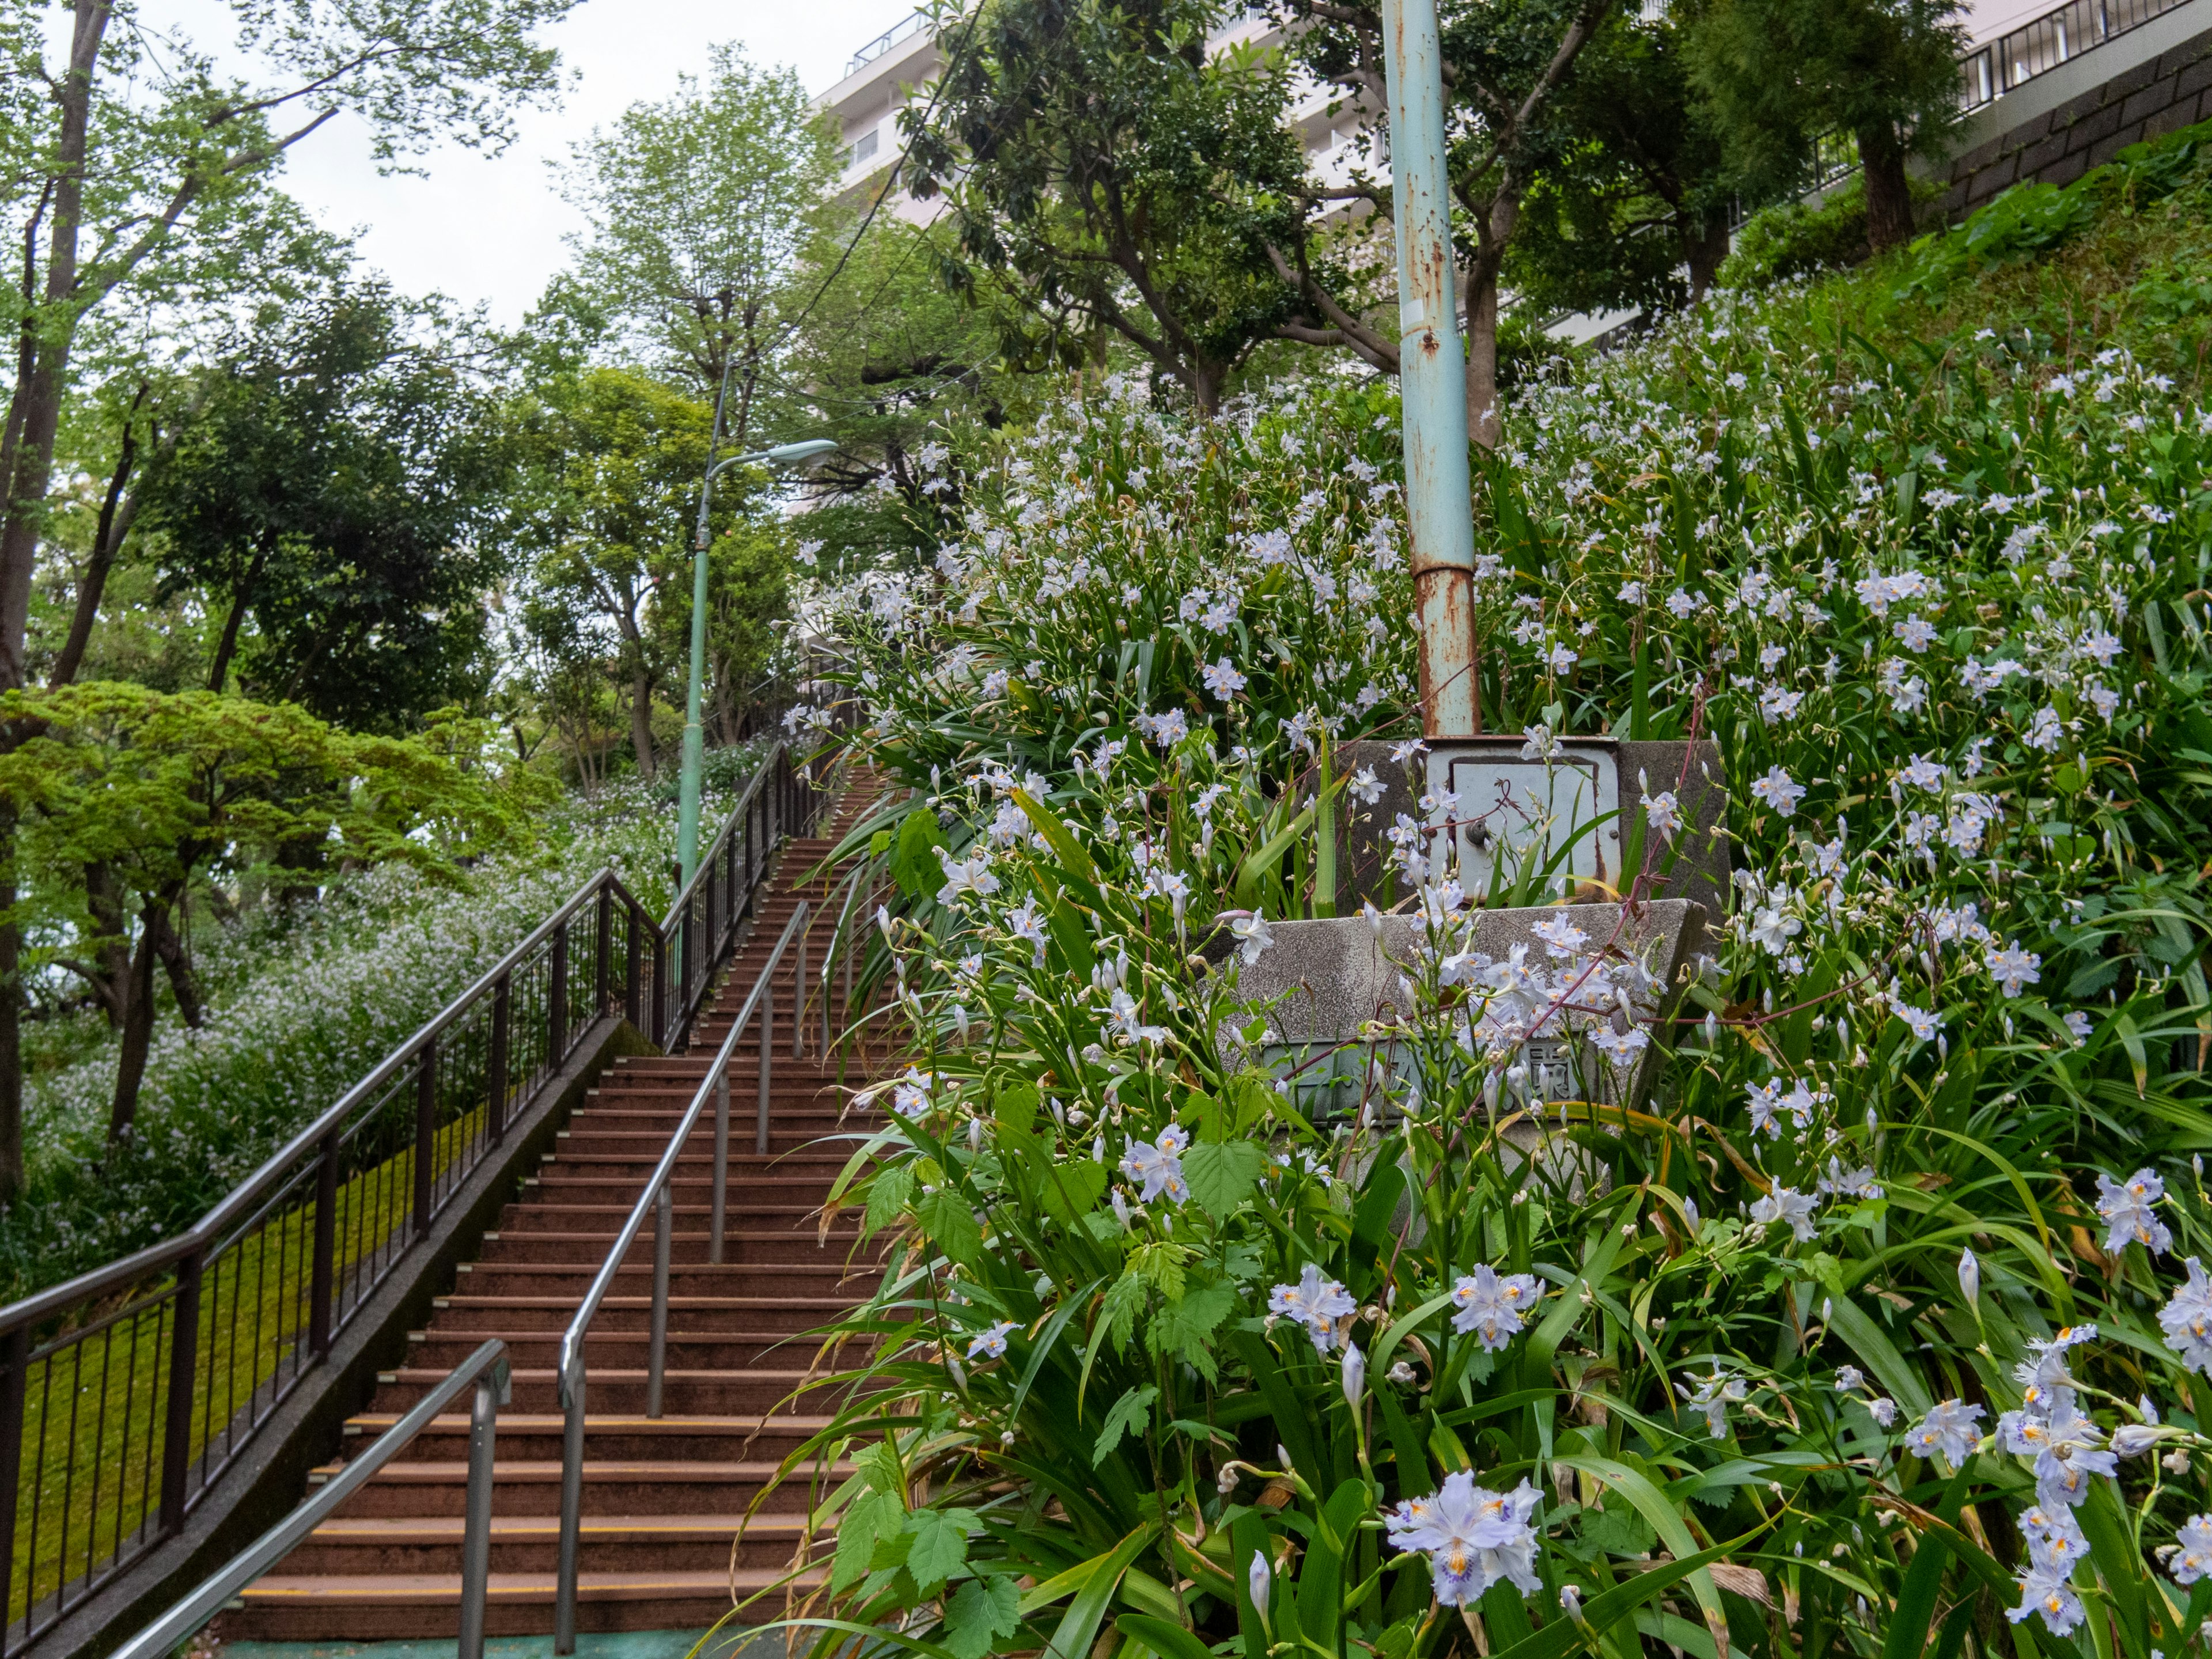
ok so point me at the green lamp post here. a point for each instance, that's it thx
(695, 744)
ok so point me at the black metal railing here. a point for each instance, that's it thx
(127, 1392)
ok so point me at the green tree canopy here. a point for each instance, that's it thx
(154, 791)
(339, 487)
(699, 208)
(1109, 173)
(1784, 73)
(612, 459)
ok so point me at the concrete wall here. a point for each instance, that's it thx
(2150, 81)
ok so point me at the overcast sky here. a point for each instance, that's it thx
(490, 229)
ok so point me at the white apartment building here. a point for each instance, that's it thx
(896, 67)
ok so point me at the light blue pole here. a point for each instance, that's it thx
(1432, 373)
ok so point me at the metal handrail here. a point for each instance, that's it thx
(759, 1004)
(159, 1334)
(487, 1370)
(239, 1200)
(762, 773)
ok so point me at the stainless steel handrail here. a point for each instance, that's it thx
(487, 1370)
(715, 1085)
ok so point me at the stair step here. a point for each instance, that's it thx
(669, 1527)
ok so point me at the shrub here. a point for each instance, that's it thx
(1791, 239)
(1835, 1339)
(303, 1003)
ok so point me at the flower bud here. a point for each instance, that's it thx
(1262, 1581)
(1970, 1277)
(1355, 1375)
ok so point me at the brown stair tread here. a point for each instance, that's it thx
(536, 1423)
(434, 1588)
(387, 1574)
(510, 1529)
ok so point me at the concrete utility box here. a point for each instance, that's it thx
(1333, 975)
(1507, 801)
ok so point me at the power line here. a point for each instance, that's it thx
(951, 62)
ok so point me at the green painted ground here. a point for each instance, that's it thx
(630, 1644)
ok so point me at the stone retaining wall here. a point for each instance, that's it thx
(2159, 94)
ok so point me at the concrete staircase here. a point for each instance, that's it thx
(665, 1500)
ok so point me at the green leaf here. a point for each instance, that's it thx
(1131, 1410)
(915, 864)
(1072, 1187)
(1079, 1625)
(951, 1225)
(887, 1196)
(983, 1608)
(865, 1520)
(1222, 1174)
(1651, 1503)
(1181, 1327)
(1866, 1339)
(1169, 1641)
(1561, 1636)
(1064, 845)
(1320, 1579)
(940, 1547)
(1117, 1314)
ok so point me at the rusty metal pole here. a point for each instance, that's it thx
(1431, 373)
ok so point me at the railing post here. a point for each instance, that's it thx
(557, 1011)
(14, 1396)
(476, 1535)
(721, 1166)
(632, 948)
(322, 1315)
(799, 991)
(767, 1034)
(425, 1134)
(739, 897)
(603, 967)
(502, 1035)
(184, 1368)
(660, 1032)
(657, 1350)
(712, 870)
(572, 1504)
(690, 957)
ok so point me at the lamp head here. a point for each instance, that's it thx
(791, 454)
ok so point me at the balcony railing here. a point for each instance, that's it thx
(2042, 44)
(905, 29)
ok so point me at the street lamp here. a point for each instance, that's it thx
(695, 744)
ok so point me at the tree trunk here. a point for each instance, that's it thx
(1888, 192)
(1206, 381)
(1482, 358)
(109, 973)
(226, 647)
(137, 1028)
(11, 1028)
(184, 978)
(641, 724)
(1705, 244)
(34, 412)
